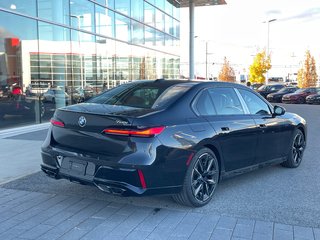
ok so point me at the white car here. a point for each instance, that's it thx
(37, 89)
(55, 95)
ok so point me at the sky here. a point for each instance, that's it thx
(238, 30)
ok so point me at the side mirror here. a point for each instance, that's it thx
(278, 111)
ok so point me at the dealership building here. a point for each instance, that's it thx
(58, 52)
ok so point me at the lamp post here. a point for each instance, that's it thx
(268, 42)
(268, 39)
(206, 60)
(206, 57)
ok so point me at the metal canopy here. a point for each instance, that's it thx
(198, 3)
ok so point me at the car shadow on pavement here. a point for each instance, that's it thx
(39, 182)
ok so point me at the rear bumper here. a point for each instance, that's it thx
(118, 179)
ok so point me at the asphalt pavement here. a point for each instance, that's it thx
(274, 194)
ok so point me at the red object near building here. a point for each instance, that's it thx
(16, 91)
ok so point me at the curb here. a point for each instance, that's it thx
(21, 130)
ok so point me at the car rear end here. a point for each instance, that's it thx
(114, 147)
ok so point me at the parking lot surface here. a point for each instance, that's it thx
(271, 203)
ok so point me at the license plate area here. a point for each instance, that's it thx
(77, 168)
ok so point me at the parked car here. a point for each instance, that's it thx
(37, 89)
(79, 94)
(255, 86)
(276, 79)
(172, 137)
(299, 96)
(314, 98)
(21, 105)
(56, 95)
(267, 89)
(277, 96)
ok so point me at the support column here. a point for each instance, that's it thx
(191, 40)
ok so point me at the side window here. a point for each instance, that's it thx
(225, 101)
(255, 104)
(204, 105)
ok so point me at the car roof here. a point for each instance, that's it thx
(189, 82)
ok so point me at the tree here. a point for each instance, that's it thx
(227, 73)
(307, 75)
(261, 64)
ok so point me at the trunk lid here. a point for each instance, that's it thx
(84, 125)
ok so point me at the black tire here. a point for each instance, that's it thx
(200, 181)
(300, 100)
(295, 155)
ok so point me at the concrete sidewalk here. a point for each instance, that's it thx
(32, 215)
(20, 154)
(18, 158)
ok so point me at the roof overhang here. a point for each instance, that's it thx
(198, 3)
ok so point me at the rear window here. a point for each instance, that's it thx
(148, 96)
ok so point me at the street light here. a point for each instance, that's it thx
(268, 39)
(207, 53)
(272, 20)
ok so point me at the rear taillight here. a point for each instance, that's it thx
(57, 123)
(148, 132)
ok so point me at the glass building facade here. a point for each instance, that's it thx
(59, 52)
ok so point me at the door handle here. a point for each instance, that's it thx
(262, 125)
(225, 129)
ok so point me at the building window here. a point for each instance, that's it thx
(123, 6)
(123, 30)
(137, 10)
(54, 10)
(104, 21)
(82, 15)
(149, 14)
(24, 7)
(104, 43)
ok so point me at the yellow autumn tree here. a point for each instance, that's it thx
(261, 64)
(307, 74)
(227, 73)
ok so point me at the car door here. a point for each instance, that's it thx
(274, 131)
(236, 131)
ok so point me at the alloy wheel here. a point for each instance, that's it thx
(298, 148)
(204, 177)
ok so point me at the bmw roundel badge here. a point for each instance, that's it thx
(82, 121)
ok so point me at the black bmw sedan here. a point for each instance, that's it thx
(172, 137)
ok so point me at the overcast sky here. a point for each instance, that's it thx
(236, 30)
